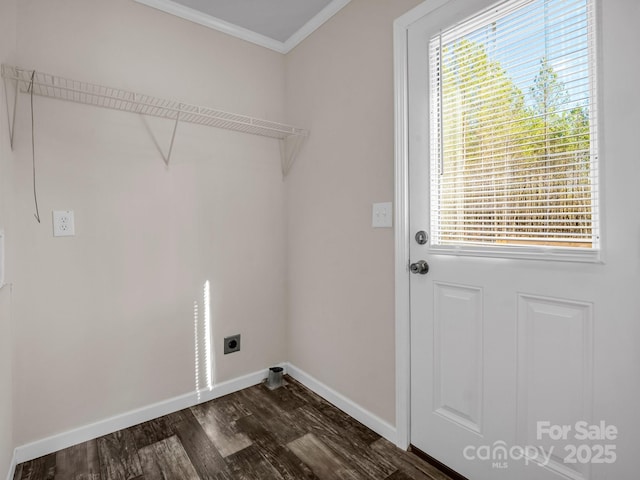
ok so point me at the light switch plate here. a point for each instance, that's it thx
(63, 224)
(382, 215)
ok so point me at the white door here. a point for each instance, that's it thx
(525, 346)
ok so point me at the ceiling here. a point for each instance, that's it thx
(276, 24)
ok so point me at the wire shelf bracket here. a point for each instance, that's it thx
(289, 149)
(19, 80)
(10, 84)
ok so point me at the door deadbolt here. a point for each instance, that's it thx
(422, 237)
(420, 267)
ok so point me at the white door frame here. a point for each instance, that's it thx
(402, 234)
(401, 215)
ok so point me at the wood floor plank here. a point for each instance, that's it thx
(398, 475)
(354, 448)
(17, 474)
(118, 456)
(285, 398)
(251, 464)
(220, 426)
(231, 407)
(153, 431)
(334, 414)
(93, 460)
(408, 463)
(72, 463)
(166, 460)
(278, 421)
(203, 454)
(50, 466)
(288, 465)
(176, 417)
(325, 463)
(348, 423)
(43, 468)
(303, 393)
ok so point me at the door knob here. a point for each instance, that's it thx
(420, 267)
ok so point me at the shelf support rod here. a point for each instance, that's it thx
(289, 149)
(173, 137)
(11, 116)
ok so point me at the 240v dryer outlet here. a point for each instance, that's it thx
(232, 344)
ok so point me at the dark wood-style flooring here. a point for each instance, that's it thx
(286, 434)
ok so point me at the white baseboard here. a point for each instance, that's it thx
(348, 406)
(67, 439)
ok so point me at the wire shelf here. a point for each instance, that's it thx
(52, 86)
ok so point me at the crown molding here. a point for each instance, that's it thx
(312, 25)
(173, 8)
(200, 18)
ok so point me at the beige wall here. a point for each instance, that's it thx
(7, 54)
(339, 84)
(104, 320)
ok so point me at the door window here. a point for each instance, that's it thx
(514, 164)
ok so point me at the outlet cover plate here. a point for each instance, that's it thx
(63, 223)
(382, 215)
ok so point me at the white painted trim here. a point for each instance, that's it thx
(69, 438)
(173, 8)
(200, 18)
(348, 406)
(417, 12)
(403, 330)
(316, 22)
(85, 433)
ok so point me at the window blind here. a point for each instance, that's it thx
(513, 127)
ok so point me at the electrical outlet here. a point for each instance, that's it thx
(63, 224)
(232, 344)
